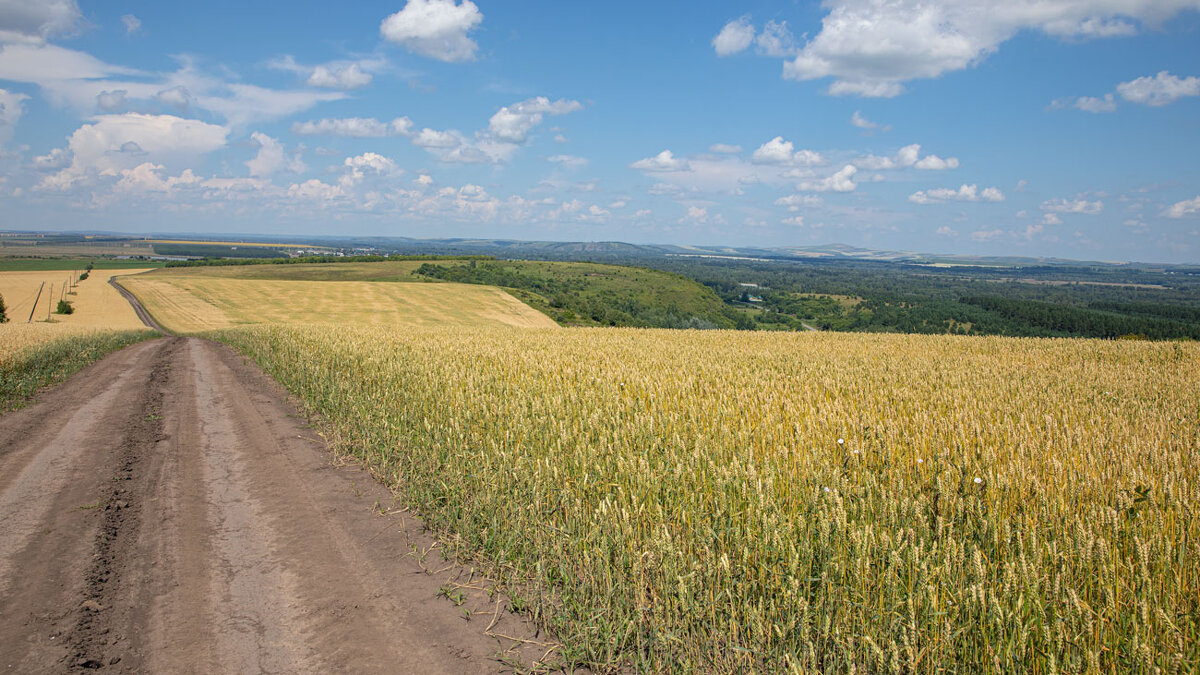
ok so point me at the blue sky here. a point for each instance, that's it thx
(1038, 127)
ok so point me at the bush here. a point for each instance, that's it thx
(83, 276)
(3, 311)
(64, 307)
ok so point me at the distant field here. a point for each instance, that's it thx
(399, 270)
(228, 243)
(36, 354)
(190, 301)
(73, 264)
(73, 250)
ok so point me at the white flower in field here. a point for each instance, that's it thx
(841, 441)
(856, 451)
(827, 489)
(920, 460)
(978, 480)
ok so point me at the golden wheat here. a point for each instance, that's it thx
(807, 503)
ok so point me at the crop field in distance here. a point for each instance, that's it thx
(98, 306)
(723, 501)
(186, 301)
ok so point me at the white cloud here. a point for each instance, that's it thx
(10, 112)
(316, 191)
(132, 23)
(871, 47)
(965, 193)
(797, 221)
(906, 157)
(863, 123)
(343, 75)
(1093, 104)
(779, 151)
(842, 181)
(735, 37)
(1072, 206)
(1159, 90)
(1184, 208)
(36, 20)
(54, 160)
(176, 97)
(776, 40)
(354, 127)
(144, 178)
(513, 123)
(663, 161)
(435, 28)
(351, 76)
(1051, 219)
(111, 143)
(271, 157)
(432, 138)
(724, 149)
(569, 161)
(794, 202)
(947, 231)
(935, 163)
(111, 101)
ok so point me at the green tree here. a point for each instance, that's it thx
(3, 311)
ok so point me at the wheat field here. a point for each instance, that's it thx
(187, 303)
(734, 502)
(98, 307)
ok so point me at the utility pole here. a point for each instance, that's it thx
(50, 303)
(35, 302)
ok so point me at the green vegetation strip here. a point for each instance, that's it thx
(27, 371)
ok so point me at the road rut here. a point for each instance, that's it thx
(167, 510)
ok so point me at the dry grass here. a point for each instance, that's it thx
(190, 302)
(809, 503)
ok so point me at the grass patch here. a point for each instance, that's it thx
(27, 371)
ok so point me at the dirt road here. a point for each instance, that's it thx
(167, 510)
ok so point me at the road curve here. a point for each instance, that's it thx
(167, 510)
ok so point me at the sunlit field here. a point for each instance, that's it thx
(52, 346)
(678, 500)
(189, 302)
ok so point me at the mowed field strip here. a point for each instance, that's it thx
(190, 302)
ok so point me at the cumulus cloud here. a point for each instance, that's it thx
(111, 101)
(271, 157)
(176, 97)
(343, 75)
(1093, 104)
(725, 149)
(965, 193)
(435, 28)
(871, 48)
(734, 37)
(1187, 207)
(947, 231)
(776, 40)
(906, 157)
(663, 161)
(513, 123)
(34, 21)
(112, 143)
(842, 181)
(1159, 90)
(781, 152)
(354, 127)
(54, 160)
(1073, 206)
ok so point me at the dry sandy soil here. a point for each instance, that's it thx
(168, 510)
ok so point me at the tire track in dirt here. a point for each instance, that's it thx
(166, 510)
